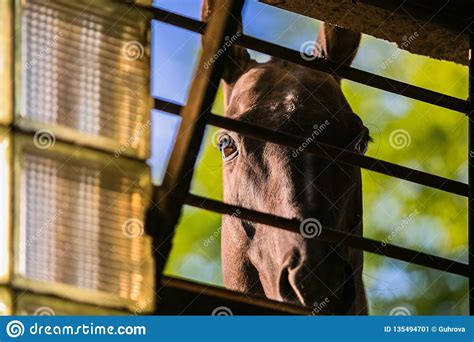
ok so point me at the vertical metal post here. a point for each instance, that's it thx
(470, 115)
(168, 200)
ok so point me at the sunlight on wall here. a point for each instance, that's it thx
(5, 206)
(5, 302)
(5, 61)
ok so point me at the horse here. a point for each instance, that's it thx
(285, 97)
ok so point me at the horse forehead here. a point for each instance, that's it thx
(279, 92)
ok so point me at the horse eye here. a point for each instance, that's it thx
(362, 145)
(227, 147)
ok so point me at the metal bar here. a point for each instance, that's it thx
(337, 154)
(167, 106)
(330, 152)
(356, 75)
(470, 114)
(350, 73)
(180, 296)
(173, 18)
(177, 181)
(332, 236)
(353, 74)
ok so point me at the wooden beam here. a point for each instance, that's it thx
(439, 29)
(165, 212)
(183, 297)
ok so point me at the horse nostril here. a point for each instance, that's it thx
(286, 287)
(306, 282)
(286, 291)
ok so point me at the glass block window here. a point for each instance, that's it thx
(85, 73)
(81, 225)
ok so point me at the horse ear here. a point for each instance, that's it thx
(337, 44)
(239, 58)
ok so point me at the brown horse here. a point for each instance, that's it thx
(271, 178)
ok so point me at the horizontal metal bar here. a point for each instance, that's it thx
(356, 75)
(167, 106)
(332, 236)
(173, 18)
(179, 296)
(347, 72)
(340, 155)
(330, 152)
